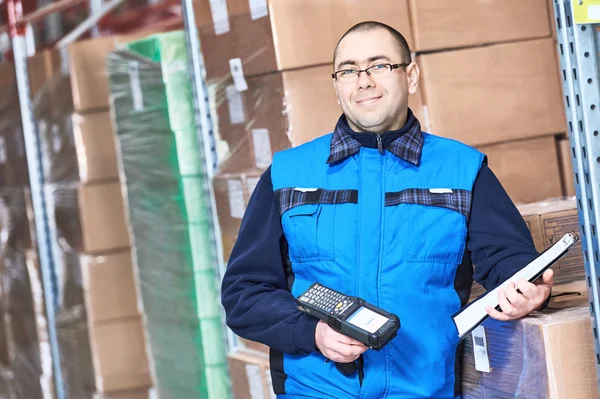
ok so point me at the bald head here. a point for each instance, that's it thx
(372, 25)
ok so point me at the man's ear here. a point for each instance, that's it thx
(412, 77)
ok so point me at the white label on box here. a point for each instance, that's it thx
(237, 72)
(258, 9)
(65, 66)
(263, 155)
(2, 151)
(136, 86)
(236, 105)
(482, 362)
(255, 382)
(220, 16)
(235, 191)
(594, 12)
(56, 139)
(252, 182)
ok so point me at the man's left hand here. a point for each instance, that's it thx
(522, 298)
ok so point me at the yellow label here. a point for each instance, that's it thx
(586, 11)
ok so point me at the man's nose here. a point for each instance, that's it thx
(365, 81)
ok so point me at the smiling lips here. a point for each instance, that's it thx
(369, 100)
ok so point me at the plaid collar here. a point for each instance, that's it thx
(408, 146)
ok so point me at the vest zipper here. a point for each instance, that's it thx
(379, 266)
(379, 144)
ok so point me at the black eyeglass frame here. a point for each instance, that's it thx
(366, 70)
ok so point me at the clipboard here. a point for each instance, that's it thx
(468, 318)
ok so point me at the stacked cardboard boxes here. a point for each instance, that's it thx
(116, 332)
(497, 89)
(548, 354)
(100, 335)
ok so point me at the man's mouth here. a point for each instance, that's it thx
(368, 100)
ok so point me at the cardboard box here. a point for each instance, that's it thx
(551, 220)
(569, 295)
(250, 375)
(566, 166)
(254, 346)
(285, 34)
(232, 193)
(481, 22)
(137, 394)
(228, 242)
(13, 159)
(87, 65)
(41, 67)
(484, 95)
(120, 359)
(103, 219)
(112, 273)
(279, 111)
(546, 355)
(96, 150)
(552, 17)
(528, 169)
(13, 164)
(89, 219)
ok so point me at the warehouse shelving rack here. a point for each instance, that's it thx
(578, 38)
(16, 26)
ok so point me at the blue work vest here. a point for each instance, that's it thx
(376, 226)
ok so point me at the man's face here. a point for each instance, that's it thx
(374, 103)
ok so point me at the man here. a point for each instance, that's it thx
(382, 211)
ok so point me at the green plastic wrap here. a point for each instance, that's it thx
(152, 107)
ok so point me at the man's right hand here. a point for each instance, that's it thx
(335, 346)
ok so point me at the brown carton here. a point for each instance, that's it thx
(120, 359)
(89, 79)
(435, 22)
(137, 394)
(254, 346)
(87, 65)
(545, 355)
(555, 219)
(111, 273)
(483, 96)
(103, 218)
(287, 34)
(250, 375)
(95, 143)
(232, 193)
(528, 169)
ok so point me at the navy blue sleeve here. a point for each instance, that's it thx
(498, 240)
(255, 294)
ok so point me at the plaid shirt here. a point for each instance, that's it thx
(408, 146)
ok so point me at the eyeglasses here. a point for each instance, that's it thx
(379, 70)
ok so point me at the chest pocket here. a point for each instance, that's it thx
(308, 221)
(437, 220)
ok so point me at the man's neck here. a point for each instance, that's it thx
(399, 124)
